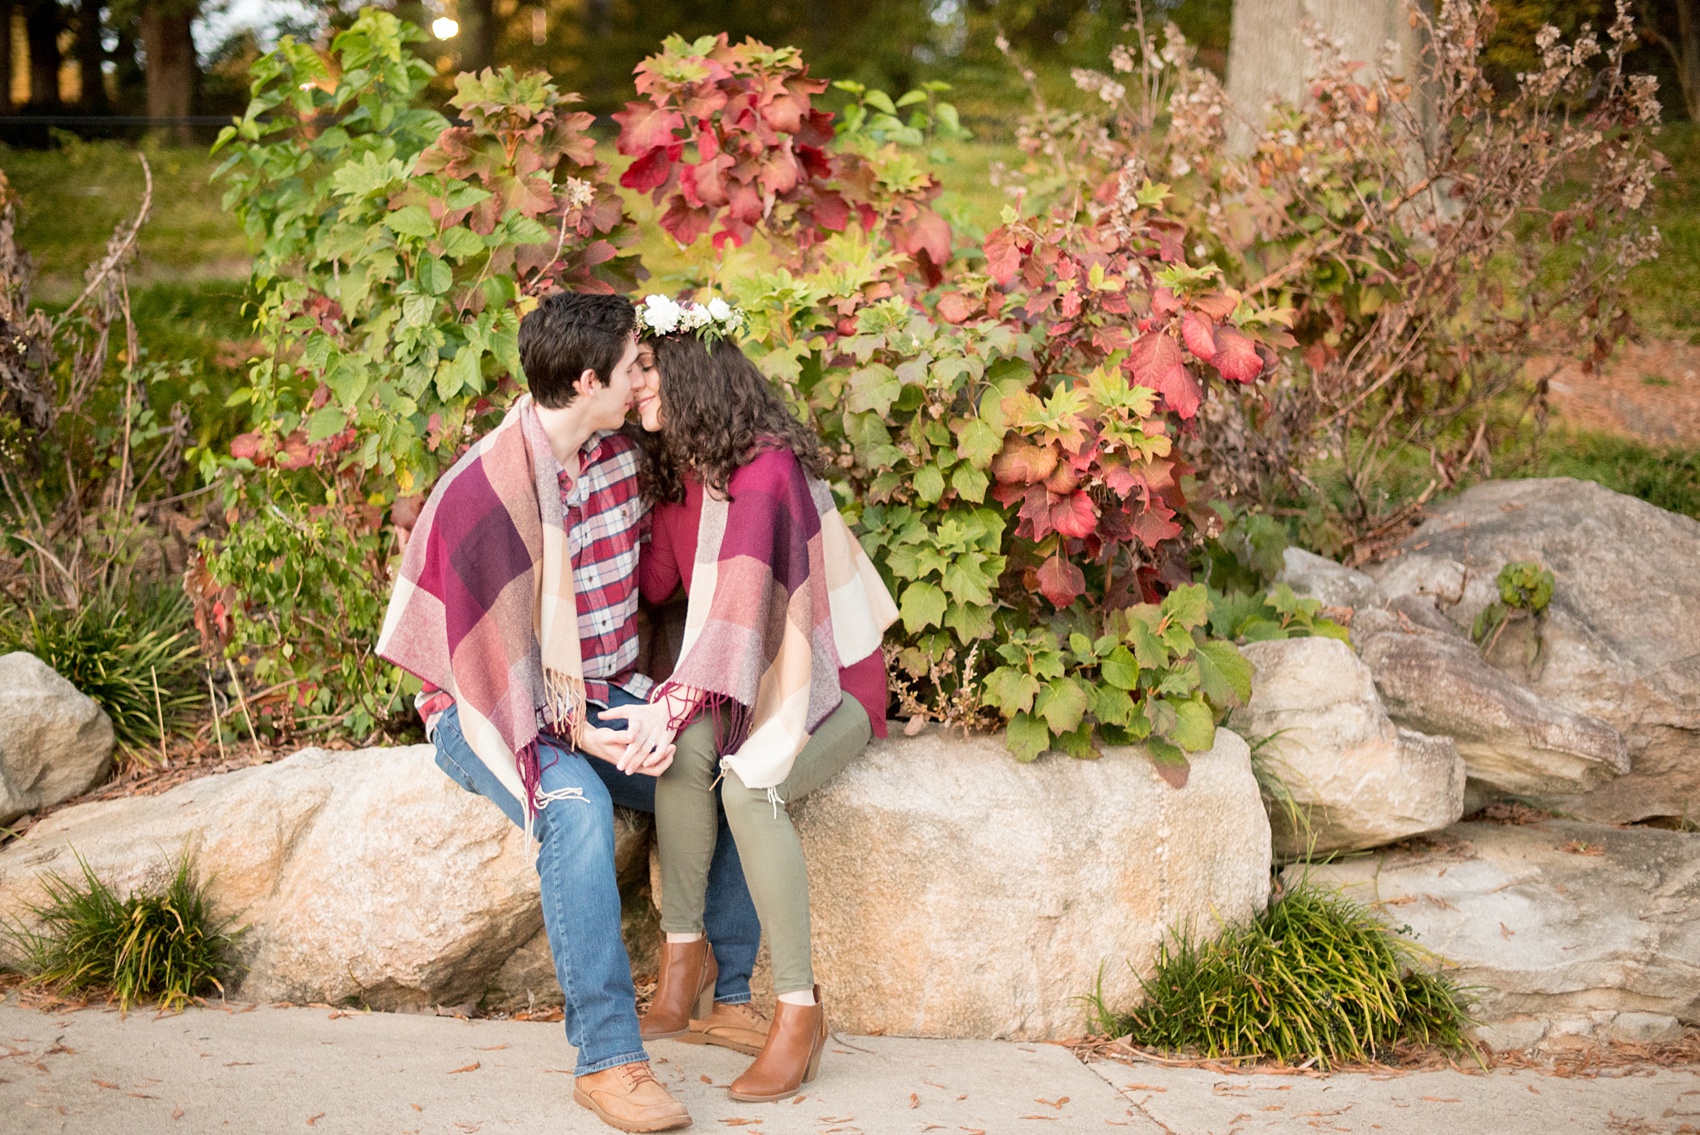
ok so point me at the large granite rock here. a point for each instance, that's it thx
(957, 893)
(1564, 929)
(362, 875)
(54, 742)
(1356, 779)
(1617, 641)
(1333, 584)
(1513, 741)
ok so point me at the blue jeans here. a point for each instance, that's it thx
(581, 897)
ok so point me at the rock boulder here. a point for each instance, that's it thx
(1564, 928)
(1513, 741)
(1356, 778)
(362, 875)
(55, 743)
(1617, 641)
(957, 893)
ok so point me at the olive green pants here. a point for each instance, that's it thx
(772, 855)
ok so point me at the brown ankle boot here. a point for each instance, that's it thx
(684, 990)
(791, 1056)
(738, 1027)
(629, 1097)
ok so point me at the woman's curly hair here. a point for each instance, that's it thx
(717, 412)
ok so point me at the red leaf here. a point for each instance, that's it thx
(1061, 581)
(779, 172)
(1156, 362)
(954, 307)
(1003, 258)
(1024, 463)
(928, 232)
(1075, 515)
(245, 445)
(745, 204)
(1153, 525)
(644, 126)
(831, 212)
(1199, 333)
(648, 172)
(1036, 513)
(685, 224)
(1236, 356)
(1216, 305)
(1164, 302)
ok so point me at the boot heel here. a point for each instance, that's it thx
(814, 1064)
(705, 1003)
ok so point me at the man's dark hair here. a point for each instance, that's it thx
(569, 333)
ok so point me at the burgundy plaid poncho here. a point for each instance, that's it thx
(484, 608)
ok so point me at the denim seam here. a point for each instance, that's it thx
(733, 999)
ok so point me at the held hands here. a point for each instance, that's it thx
(610, 745)
(648, 739)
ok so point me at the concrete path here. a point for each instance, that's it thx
(322, 1071)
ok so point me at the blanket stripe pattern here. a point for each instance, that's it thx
(782, 597)
(484, 607)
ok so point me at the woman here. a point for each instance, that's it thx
(780, 681)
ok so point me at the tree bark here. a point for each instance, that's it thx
(171, 65)
(6, 57)
(1688, 54)
(90, 56)
(477, 34)
(42, 24)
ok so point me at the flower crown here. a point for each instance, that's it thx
(659, 315)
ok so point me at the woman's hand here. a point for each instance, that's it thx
(649, 738)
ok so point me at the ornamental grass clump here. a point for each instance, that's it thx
(165, 945)
(1316, 978)
(137, 657)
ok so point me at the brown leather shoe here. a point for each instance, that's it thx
(684, 990)
(791, 1056)
(629, 1097)
(738, 1027)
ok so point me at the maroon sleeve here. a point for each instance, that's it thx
(658, 564)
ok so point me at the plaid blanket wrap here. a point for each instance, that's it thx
(782, 597)
(484, 608)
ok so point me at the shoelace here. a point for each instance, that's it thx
(636, 1075)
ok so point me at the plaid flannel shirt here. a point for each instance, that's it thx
(605, 517)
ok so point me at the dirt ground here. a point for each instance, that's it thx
(1648, 391)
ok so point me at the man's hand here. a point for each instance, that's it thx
(610, 745)
(649, 738)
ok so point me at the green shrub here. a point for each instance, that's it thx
(1315, 977)
(165, 945)
(137, 657)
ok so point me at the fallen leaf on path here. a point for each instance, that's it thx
(797, 1100)
(58, 1048)
(104, 1084)
(940, 1087)
(415, 1107)
(739, 1122)
(1145, 1088)
(493, 1048)
(140, 1096)
(1058, 1102)
(313, 1120)
(705, 1079)
(1047, 1118)
(177, 1112)
(914, 1100)
(473, 1067)
(1439, 1099)
(239, 1063)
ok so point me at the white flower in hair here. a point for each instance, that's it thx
(696, 317)
(719, 310)
(660, 314)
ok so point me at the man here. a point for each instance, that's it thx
(516, 602)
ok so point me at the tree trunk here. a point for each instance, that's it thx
(42, 24)
(477, 34)
(90, 56)
(171, 68)
(6, 57)
(1688, 61)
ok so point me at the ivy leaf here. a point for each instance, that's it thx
(969, 622)
(873, 388)
(435, 276)
(978, 441)
(1236, 357)
(1061, 581)
(1224, 673)
(1010, 691)
(1027, 737)
(1003, 257)
(1062, 703)
(967, 582)
(1112, 706)
(1077, 743)
(923, 605)
(1142, 636)
(1155, 360)
(1120, 669)
(970, 483)
(1200, 334)
(328, 420)
(1170, 762)
(1187, 606)
(929, 484)
(1023, 463)
(1195, 727)
(412, 220)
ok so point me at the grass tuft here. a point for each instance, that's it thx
(1317, 977)
(137, 658)
(165, 946)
